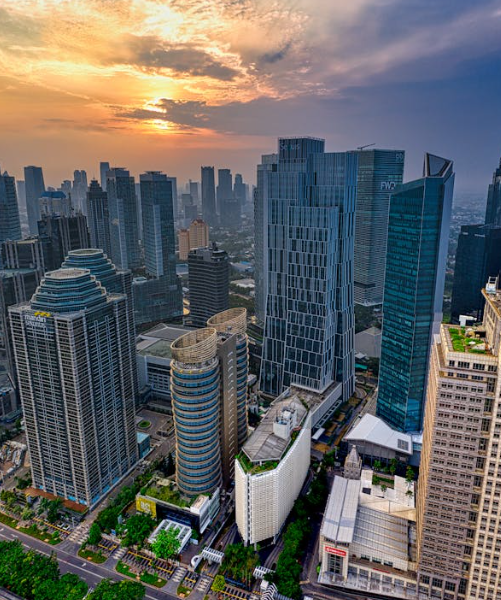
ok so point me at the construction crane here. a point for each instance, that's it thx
(366, 146)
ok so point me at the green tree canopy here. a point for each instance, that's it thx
(166, 544)
(94, 534)
(118, 590)
(138, 528)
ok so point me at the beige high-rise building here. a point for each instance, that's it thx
(459, 491)
(197, 236)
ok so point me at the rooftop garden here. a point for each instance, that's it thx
(464, 340)
(167, 493)
(254, 469)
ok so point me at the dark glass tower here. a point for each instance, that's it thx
(35, 187)
(478, 257)
(418, 234)
(98, 217)
(493, 210)
(10, 226)
(224, 188)
(208, 196)
(309, 327)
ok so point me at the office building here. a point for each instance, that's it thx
(418, 235)
(231, 217)
(493, 209)
(156, 299)
(271, 469)
(478, 257)
(63, 234)
(459, 534)
(21, 196)
(197, 236)
(240, 189)
(233, 354)
(122, 206)
(269, 163)
(193, 189)
(209, 213)
(379, 172)
(104, 167)
(209, 283)
(175, 207)
(55, 203)
(158, 225)
(79, 190)
(309, 327)
(79, 333)
(10, 225)
(30, 253)
(35, 187)
(224, 190)
(98, 217)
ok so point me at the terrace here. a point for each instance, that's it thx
(467, 339)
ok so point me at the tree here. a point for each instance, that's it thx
(393, 466)
(377, 465)
(239, 562)
(166, 545)
(53, 510)
(94, 534)
(118, 590)
(27, 514)
(139, 528)
(409, 474)
(218, 584)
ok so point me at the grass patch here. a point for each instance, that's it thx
(43, 536)
(167, 494)
(123, 569)
(153, 580)
(183, 590)
(378, 480)
(96, 557)
(250, 467)
(6, 520)
(144, 424)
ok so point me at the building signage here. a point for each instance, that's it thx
(145, 505)
(388, 186)
(335, 551)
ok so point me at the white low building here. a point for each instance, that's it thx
(183, 532)
(271, 470)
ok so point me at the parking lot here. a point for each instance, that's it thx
(142, 561)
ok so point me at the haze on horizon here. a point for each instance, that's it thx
(174, 84)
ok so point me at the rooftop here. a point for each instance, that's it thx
(159, 348)
(263, 445)
(467, 339)
(341, 511)
(375, 431)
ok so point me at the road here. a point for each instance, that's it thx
(68, 563)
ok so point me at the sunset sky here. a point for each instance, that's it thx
(173, 84)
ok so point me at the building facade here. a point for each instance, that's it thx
(10, 225)
(224, 190)
(493, 209)
(35, 187)
(478, 257)
(309, 325)
(196, 236)
(379, 172)
(124, 232)
(98, 217)
(61, 235)
(104, 167)
(418, 234)
(78, 409)
(209, 213)
(209, 283)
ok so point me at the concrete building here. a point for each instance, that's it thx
(78, 409)
(209, 283)
(368, 342)
(271, 469)
(196, 236)
(459, 535)
(309, 328)
(418, 237)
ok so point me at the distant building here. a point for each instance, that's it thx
(368, 342)
(231, 217)
(493, 209)
(175, 207)
(418, 234)
(197, 236)
(63, 234)
(79, 333)
(79, 190)
(156, 300)
(379, 173)
(10, 225)
(209, 213)
(208, 272)
(30, 253)
(98, 218)
(224, 189)
(124, 232)
(55, 204)
(478, 257)
(35, 187)
(104, 167)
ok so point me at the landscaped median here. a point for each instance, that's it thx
(145, 577)
(183, 591)
(95, 557)
(32, 530)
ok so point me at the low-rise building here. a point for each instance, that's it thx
(183, 532)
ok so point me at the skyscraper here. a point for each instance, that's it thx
(379, 172)
(79, 190)
(239, 189)
(158, 225)
(268, 164)
(124, 233)
(194, 192)
(309, 328)
(418, 234)
(21, 195)
(197, 236)
(104, 167)
(62, 234)
(224, 190)
(175, 207)
(459, 489)
(478, 257)
(35, 187)
(493, 209)
(209, 283)
(54, 203)
(98, 217)
(208, 196)
(78, 409)
(10, 225)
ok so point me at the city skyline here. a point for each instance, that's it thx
(181, 89)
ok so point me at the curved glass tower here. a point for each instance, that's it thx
(196, 409)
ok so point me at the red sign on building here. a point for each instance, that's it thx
(335, 551)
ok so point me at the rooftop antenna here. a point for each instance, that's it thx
(366, 146)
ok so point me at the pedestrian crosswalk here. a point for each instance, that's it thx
(179, 574)
(79, 534)
(203, 584)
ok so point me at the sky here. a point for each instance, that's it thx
(176, 84)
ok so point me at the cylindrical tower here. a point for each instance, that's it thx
(234, 322)
(196, 410)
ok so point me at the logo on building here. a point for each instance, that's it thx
(145, 505)
(335, 551)
(388, 186)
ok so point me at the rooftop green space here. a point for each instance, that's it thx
(464, 340)
(169, 494)
(255, 468)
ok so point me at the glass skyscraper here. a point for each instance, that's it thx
(10, 226)
(309, 326)
(418, 234)
(493, 209)
(35, 187)
(98, 217)
(379, 172)
(209, 213)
